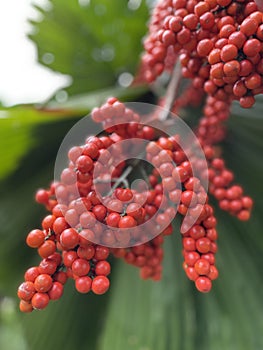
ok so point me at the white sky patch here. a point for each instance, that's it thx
(22, 79)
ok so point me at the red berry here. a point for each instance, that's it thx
(127, 222)
(84, 164)
(203, 245)
(26, 290)
(102, 268)
(69, 238)
(47, 248)
(43, 283)
(35, 238)
(101, 253)
(31, 274)
(203, 284)
(100, 285)
(80, 267)
(42, 196)
(40, 301)
(56, 291)
(202, 267)
(83, 284)
(47, 266)
(25, 306)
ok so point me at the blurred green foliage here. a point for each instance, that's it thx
(79, 40)
(92, 41)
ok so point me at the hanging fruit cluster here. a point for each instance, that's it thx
(218, 42)
(93, 211)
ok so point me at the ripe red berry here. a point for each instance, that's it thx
(102, 268)
(35, 238)
(83, 284)
(42, 196)
(80, 267)
(203, 245)
(56, 291)
(202, 267)
(47, 266)
(127, 222)
(31, 274)
(69, 238)
(101, 253)
(43, 283)
(25, 306)
(40, 301)
(26, 290)
(100, 285)
(84, 164)
(47, 248)
(203, 284)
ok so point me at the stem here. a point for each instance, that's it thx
(172, 91)
(122, 178)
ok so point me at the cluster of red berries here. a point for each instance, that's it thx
(86, 223)
(93, 212)
(218, 42)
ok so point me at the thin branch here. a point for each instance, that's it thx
(171, 91)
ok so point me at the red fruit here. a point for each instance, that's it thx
(80, 267)
(25, 306)
(189, 243)
(47, 248)
(213, 273)
(35, 238)
(101, 253)
(47, 266)
(69, 257)
(203, 245)
(26, 290)
(191, 258)
(100, 285)
(84, 164)
(69, 238)
(203, 284)
(83, 284)
(31, 274)
(102, 268)
(42, 196)
(60, 277)
(202, 267)
(56, 291)
(99, 211)
(40, 301)
(127, 222)
(43, 283)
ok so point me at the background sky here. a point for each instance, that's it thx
(22, 79)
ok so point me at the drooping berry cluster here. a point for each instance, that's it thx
(218, 42)
(93, 211)
(87, 222)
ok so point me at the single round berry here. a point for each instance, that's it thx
(40, 301)
(83, 284)
(202, 267)
(56, 291)
(47, 248)
(80, 267)
(43, 283)
(69, 238)
(203, 284)
(100, 285)
(31, 274)
(26, 290)
(35, 238)
(102, 268)
(25, 306)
